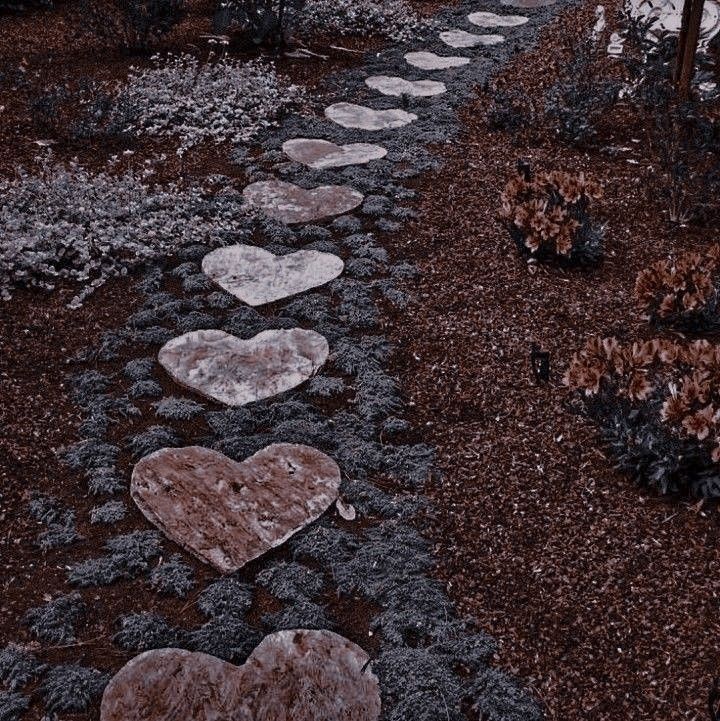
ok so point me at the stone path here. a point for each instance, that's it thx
(297, 675)
(227, 513)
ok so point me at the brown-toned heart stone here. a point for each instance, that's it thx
(227, 513)
(349, 115)
(292, 204)
(430, 61)
(256, 276)
(321, 154)
(296, 675)
(234, 371)
(392, 85)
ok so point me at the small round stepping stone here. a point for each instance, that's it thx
(227, 369)
(294, 675)
(461, 39)
(389, 85)
(290, 203)
(227, 513)
(256, 276)
(321, 154)
(493, 20)
(431, 61)
(349, 115)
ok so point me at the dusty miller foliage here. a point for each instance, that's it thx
(55, 621)
(12, 705)
(17, 667)
(72, 687)
(128, 557)
(140, 632)
(219, 101)
(96, 226)
(291, 581)
(109, 513)
(173, 577)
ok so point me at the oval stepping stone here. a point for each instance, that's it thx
(295, 675)
(228, 513)
(321, 154)
(389, 85)
(256, 276)
(234, 371)
(430, 61)
(461, 39)
(292, 204)
(349, 115)
(527, 4)
(493, 20)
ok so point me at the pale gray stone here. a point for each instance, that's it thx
(320, 154)
(461, 39)
(389, 85)
(349, 115)
(229, 370)
(295, 675)
(493, 20)
(228, 513)
(290, 203)
(256, 276)
(431, 61)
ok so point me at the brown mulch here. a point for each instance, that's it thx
(602, 596)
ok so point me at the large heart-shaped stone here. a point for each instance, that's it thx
(256, 276)
(292, 204)
(389, 85)
(295, 675)
(484, 19)
(431, 61)
(320, 154)
(234, 371)
(462, 39)
(227, 513)
(349, 115)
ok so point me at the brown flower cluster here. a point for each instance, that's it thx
(545, 209)
(680, 286)
(685, 377)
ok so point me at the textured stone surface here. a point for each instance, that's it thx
(293, 204)
(256, 276)
(349, 115)
(389, 85)
(431, 61)
(527, 4)
(227, 513)
(321, 154)
(296, 675)
(234, 371)
(461, 39)
(493, 20)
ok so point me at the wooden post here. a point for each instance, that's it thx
(687, 47)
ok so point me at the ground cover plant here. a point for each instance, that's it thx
(548, 216)
(63, 222)
(221, 100)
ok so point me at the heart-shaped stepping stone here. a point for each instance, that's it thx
(292, 204)
(461, 39)
(350, 115)
(322, 154)
(431, 61)
(295, 675)
(527, 4)
(227, 513)
(256, 276)
(389, 85)
(234, 371)
(493, 20)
